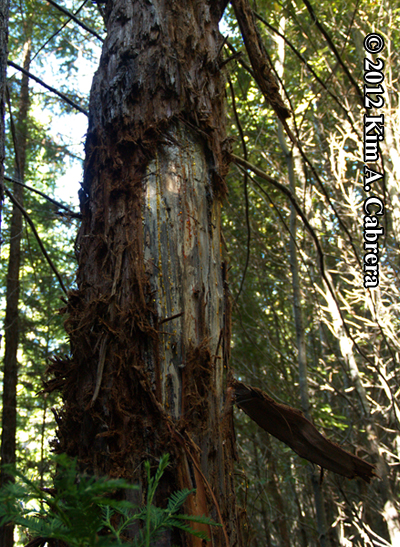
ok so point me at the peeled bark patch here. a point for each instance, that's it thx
(290, 426)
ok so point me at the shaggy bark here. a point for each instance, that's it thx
(149, 322)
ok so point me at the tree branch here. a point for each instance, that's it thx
(52, 89)
(334, 50)
(255, 49)
(285, 190)
(58, 31)
(324, 274)
(245, 183)
(31, 224)
(72, 213)
(310, 68)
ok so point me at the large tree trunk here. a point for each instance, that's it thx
(11, 323)
(149, 323)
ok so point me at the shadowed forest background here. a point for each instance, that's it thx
(312, 337)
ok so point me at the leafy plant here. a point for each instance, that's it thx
(82, 512)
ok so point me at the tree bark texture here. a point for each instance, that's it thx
(149, 323)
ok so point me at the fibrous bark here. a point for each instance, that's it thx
(149, 322)
(4, 9)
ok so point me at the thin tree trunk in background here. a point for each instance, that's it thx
(298, 314)
(390, 508)
(303, 539)
(150, 324)
(11, 323)
(4, 9)
(301, 347)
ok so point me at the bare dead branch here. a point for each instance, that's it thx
(52, 89)
(58, 31)
(57, 203)
(310, 69)
(332, 46)
(290, 426)
(255, 49)
(74, 18)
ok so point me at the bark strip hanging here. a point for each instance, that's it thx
(291, 427)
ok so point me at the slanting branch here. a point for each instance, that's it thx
(263, 73)
(332, 46)
(74, 18)
(287, 191)
(35, 233)
(310, 68)
(325, 275)
(51, 200)
(246, 193)
(52, 89)
(291, 427)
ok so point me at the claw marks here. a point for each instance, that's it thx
(182, 251)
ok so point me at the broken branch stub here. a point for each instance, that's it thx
(291, 427)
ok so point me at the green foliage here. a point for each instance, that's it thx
(83, 512)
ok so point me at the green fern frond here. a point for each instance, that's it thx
(177, 499)
(81, 512)
(201, 519)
